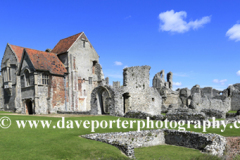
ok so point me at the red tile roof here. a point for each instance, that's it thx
(64, 44)
(18, 51)
(46, 61)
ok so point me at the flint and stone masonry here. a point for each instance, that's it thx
(69, 78)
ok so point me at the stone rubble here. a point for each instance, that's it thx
(126, 141)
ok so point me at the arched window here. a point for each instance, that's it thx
(27, 78)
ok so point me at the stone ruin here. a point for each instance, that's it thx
(126, 141)
(73, 82)
(135, 95)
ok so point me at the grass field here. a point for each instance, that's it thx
(65, 143)
(232, 112)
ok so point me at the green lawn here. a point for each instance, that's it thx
(66, 144)
(232, 112)
(167, 152)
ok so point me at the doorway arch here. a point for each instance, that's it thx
(102, 100)
(29, 106)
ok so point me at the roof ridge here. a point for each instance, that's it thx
(26, 48)
(40, 50)
(15, 45)
(71, 36)
(64, 44)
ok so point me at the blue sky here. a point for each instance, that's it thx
(199, 41)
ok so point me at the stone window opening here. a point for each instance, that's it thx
(93, 66)
(153, 99)
(45, 79)
(84, 44)
(90, 80)
(5, 79)
(22, 80)
(9, 74)
(27, 78)
(126, 102)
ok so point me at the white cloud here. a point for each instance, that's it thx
(118, 63)
(238, 73)
(125, 67)
(234, 32)
(174, 21)
(177, 84)
(222, 82)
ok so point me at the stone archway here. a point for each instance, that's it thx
(102, 100)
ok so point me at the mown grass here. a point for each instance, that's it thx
(232, 112)
(39, 143)
(4, 112)
(166, 152)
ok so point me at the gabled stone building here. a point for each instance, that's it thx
(10, 82)
(38, 82)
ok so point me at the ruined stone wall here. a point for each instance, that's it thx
(136, 77)
(185, 114)
(116, 84)
(97, 98)
(209, 143)
(235, 97)
(159, 80)
(207, 98)
(184, 94)
(207, 92)
(127, 141)
(135, 94)
(169, 97)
